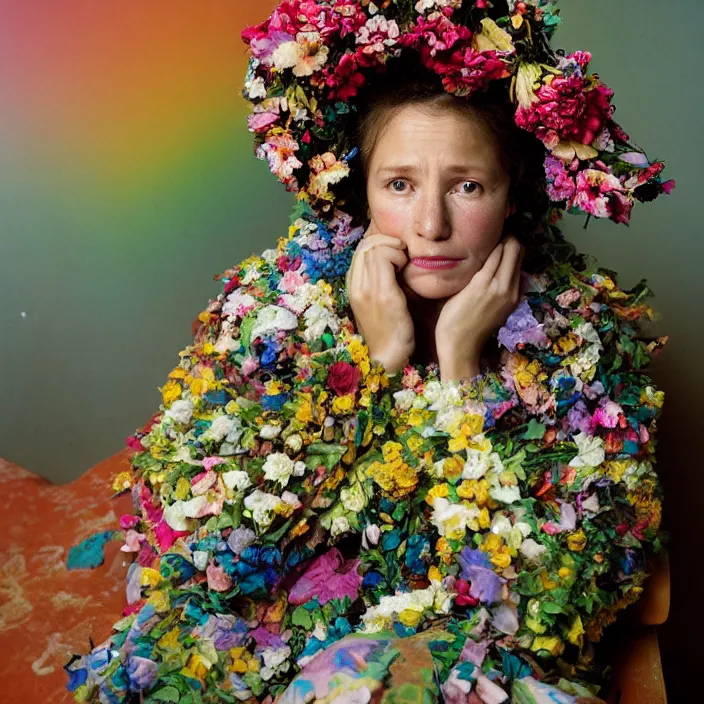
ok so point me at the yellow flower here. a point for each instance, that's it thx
(550, 643)
(484, 518)
(440, 490)
(501, 558)
(343, 404)
(170, 392)
(491, 542)
(535, 625)
(410, 617)
(304, 414)
(195, 668)
(434, 574)
(178, 373)
(577, 541)
(391, 451)
(416, 416)
(452, 468)
(122, 482)
(574, 635)
(477, 489)
(457, 444)
(548, 583)
(397, 479)
(273, 387)
(208, 348)
(159, 599)
(443, 550)
(150, 577)
(415, 442)
(183, 489)
(169, 641)
(565, 344)
(564, 572)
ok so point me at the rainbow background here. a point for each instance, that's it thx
(127, 180)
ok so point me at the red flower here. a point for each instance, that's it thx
(343, 378)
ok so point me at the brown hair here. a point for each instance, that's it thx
(407, 82)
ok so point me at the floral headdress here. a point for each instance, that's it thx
(310, 59)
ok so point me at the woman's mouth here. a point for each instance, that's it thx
(435, 262)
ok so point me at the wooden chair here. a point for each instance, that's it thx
(47, 612)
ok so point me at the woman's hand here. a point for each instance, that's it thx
(378, 303)
(470, 316)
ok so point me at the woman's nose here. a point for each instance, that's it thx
(431, 218)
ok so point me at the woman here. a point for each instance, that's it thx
(354, 490)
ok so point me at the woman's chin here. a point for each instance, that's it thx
(433, 289)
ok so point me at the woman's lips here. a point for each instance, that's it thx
(435, 262)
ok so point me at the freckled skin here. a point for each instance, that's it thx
(435, 211)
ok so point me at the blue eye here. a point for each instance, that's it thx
(398, 180)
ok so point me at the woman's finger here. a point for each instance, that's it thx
(510, 264)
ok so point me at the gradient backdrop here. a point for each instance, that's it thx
(127, 181)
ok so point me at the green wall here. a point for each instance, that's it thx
(109, 286)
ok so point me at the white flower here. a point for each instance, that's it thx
(278, 468)
(176, 514)
(255, 89)
(262, 506)
(237, 480)
(180, 411)
(532, 550)
(340, 526)
(451, 518)
(477, 465)
(404, 399)
(371, 536)
(268, 431)
(274, 660)
(200, 559)
(505, 494)
(271, 319)
(270, 256)
(361, 695)
(317, 319)
(294, 442)
(238, 304)
(288, 497)
(224, 428)
(353, 498)
(591, 451)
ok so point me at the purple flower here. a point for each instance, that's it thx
(506, 619)
(522, 327)
(485, 584)
(141, 671)
(328, 577)
(473, 557)
(239, 539)
(579, 418)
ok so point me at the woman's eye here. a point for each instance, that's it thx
(473, 187)
(395, 182)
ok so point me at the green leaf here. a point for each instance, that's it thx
(550, 607)
(301, 617)
(167, 694)
(535, 431)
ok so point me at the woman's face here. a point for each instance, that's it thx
(436, 183)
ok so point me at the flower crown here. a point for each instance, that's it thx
(310, 59)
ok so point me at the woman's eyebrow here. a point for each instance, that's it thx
(451, 168)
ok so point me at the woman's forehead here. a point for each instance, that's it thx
(414, 136)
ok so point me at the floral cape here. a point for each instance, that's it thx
(290, 495)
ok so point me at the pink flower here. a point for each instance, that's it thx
(445, 48)
(344, 80)
(328, 577)
(567, 109)
(290, 281)
(560, 186)
(210, 462)
(218, 579)
(601, 194)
